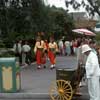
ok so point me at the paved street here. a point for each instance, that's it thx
(41, 79)
(37, 82)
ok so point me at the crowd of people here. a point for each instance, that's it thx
(47, 49)
(88, 57)
(42, 48)
(86, 51)
(22, 52)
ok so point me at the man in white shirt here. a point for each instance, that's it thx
(26, 50)
(61, 47)
(92, 72)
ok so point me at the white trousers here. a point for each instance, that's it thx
(94, 88)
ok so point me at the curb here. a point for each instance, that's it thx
(30, 96)
(24, 96)
(22, 67)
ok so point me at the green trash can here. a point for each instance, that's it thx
(10, 80)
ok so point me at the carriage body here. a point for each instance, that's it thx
(67, 82)
(69, 75)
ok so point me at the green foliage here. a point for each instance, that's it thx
(60, 22)
(97, 37)
(7, 53)
(2, 45)
(22, 19)
(92, 6)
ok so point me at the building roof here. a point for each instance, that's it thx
(78, 15)
(82, 20)
(85, 23)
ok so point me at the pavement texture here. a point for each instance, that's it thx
(35, 84)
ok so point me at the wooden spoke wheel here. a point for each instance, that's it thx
(61, 90)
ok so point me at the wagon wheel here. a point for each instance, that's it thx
(61, 90)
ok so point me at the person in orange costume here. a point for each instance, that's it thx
(52, 49)
(39, 51)
(46, 51)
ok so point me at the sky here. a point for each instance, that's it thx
(61, 3)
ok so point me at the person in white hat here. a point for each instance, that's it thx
(92, 72)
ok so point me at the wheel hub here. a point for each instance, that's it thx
(61, 91)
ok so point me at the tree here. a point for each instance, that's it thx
(91, 6)
(20, 16)
(22, 19)
(61, 23)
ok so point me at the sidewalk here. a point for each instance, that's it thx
(36, 83)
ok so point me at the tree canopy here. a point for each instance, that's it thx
(24, 18)
(91, 6)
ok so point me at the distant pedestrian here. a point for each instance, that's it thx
(27, 53)
(67, 48)
(52, 49)
(46, 50)
(61, 47)
(39, 50)
(92, 44)
(71, 46)
(18, 50)
(81, 61)
(98, 53)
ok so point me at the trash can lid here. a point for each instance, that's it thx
(7, 59)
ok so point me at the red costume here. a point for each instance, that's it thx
(52, 49)
(39, 50)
